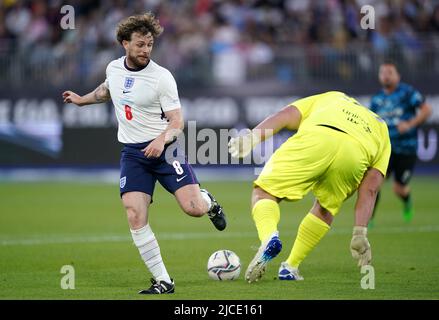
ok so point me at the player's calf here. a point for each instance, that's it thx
(191, 200)
(194, 208)
(197, 202)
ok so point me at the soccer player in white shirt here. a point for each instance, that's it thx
(149, 116)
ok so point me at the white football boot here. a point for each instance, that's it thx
(287, 272)
(266, 252)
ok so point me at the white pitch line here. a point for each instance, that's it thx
(69, 239)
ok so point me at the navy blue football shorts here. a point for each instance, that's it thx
(401, 165)
(139, 173)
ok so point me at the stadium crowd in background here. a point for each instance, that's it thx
(204, 36)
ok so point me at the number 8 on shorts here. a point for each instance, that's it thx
(178, 169)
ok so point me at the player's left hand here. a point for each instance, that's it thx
(241, 146)
(360, 246)
(404, 126)
(155, 148)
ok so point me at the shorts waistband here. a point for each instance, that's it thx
(145, 144)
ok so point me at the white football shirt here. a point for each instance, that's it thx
(140, 98)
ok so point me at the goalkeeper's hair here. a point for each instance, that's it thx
(142, 24)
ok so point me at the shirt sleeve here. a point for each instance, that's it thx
(168, 93)
(373, 106)
(416, 99)
(305, 105)
(106, 83)
(381, 161)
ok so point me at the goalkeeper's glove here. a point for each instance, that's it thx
(241, 146)
(360, 247)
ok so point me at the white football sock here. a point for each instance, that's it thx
(149, 249)
(206, 198)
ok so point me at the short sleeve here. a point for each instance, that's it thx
(305, 105)
(416, 99)
(168, 93)
(106, 82)
(381, 161)
(373, 105)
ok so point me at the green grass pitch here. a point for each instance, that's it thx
(44, 226)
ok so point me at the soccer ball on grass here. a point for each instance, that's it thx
(223, 265)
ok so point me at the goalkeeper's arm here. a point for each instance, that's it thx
(367, 192)
(287, 118)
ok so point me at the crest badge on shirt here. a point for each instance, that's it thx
(129, 82)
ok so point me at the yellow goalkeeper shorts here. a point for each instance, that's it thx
(328, 162)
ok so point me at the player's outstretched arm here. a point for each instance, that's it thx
(99, 95)
(367, 192)
(289, 118)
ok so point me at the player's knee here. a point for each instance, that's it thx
(322, 213)
(136, 218)
(259, 194)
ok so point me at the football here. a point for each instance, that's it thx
(223, 265)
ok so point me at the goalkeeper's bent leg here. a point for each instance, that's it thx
(266, 214)
(311, 231)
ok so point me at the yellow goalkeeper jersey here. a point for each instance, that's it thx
(343, 112)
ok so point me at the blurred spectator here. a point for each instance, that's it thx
(219, 41)
(228, 64)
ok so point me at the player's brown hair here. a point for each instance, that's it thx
(142, 24)
(390, 63)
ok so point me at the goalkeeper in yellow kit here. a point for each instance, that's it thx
(340, 147)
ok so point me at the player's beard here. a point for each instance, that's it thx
(388, 85)
(138, 63)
